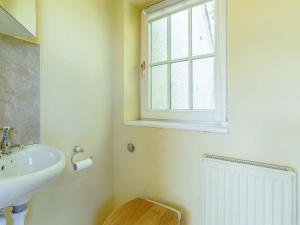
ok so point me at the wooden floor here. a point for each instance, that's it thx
(142, 212)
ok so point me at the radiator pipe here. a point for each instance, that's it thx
(2, 218)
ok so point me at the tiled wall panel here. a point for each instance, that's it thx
(20, 89)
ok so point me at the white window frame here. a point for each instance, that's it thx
(204, 118)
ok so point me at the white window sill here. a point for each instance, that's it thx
(209, 128)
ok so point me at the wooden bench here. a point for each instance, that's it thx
(142, 212)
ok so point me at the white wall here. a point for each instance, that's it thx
(264, 114)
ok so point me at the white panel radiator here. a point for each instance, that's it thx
(240, 192)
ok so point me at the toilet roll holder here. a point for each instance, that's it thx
(76, 150)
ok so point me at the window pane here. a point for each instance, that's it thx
(159, 87)
(179, 34)
(180, 85)
(159, 40)
(203, 23)
(203, 83)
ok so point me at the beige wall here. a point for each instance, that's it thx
(131, 61)
(264, 114)
(76, 108)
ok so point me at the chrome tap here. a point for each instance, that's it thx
(6, 147)
(5, 143)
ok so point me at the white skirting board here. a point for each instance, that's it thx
(240, 192)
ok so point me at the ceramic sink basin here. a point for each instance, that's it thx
(25, 172)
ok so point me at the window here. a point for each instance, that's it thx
(184, 62)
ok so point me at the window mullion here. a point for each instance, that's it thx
(203, 56)
(190, 62)
(150, 70)
(169, 61)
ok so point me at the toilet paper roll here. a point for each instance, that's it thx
(83, 164)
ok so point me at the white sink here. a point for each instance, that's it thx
(25, 172)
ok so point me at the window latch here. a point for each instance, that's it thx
(143, 66)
